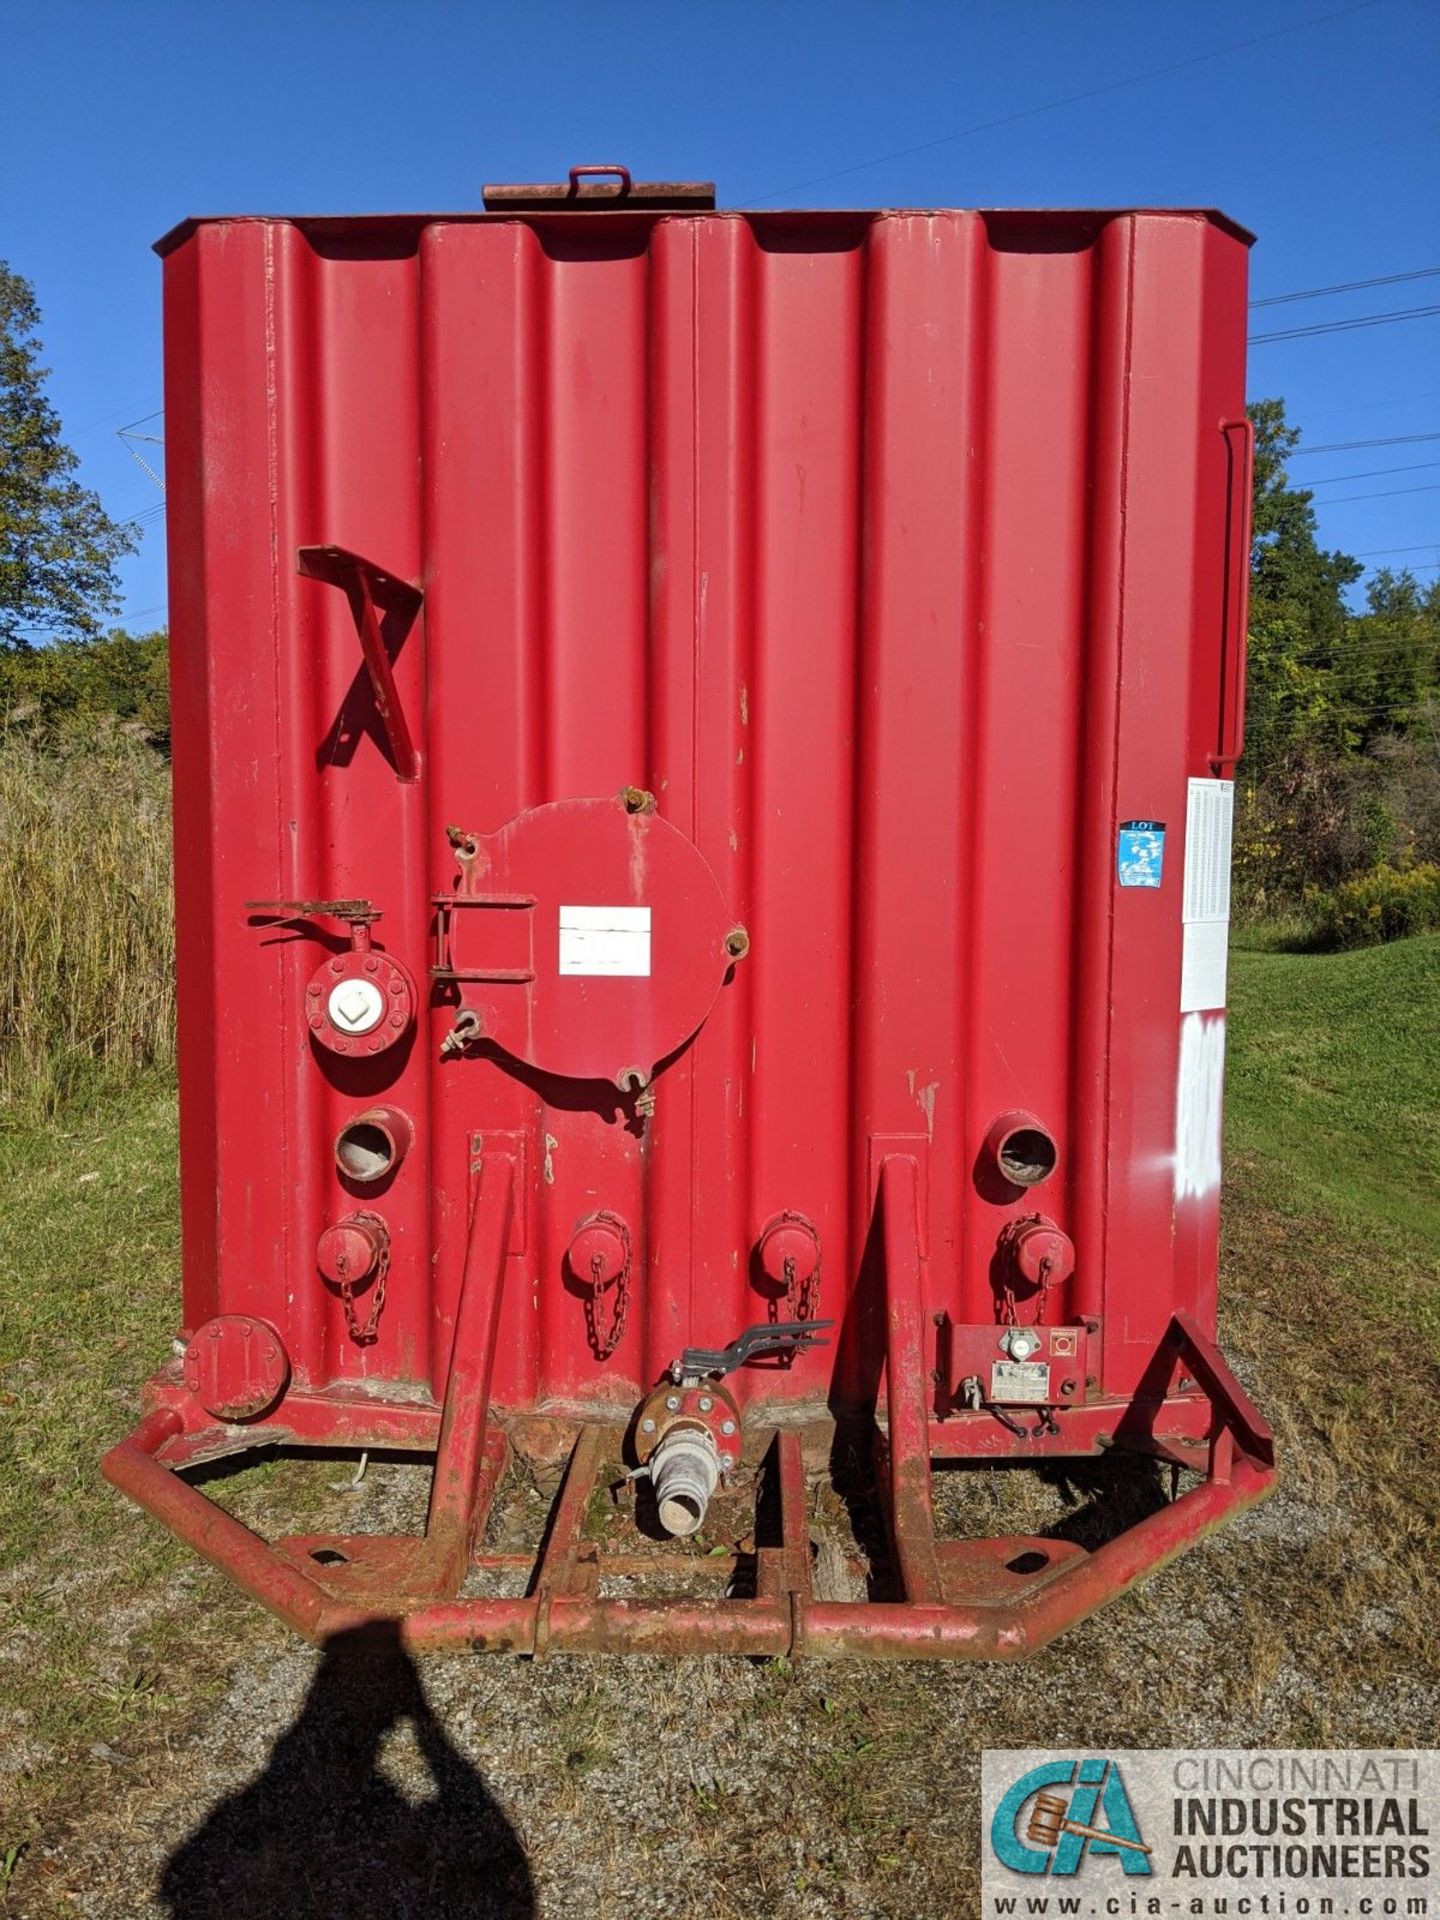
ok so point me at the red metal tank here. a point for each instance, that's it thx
(703, 746)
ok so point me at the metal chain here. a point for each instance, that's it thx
(604, 1343)
(800, 1301)
(803, 1300)
(1046, 1267)
(366, 1335)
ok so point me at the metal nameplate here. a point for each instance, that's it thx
(1020, 1380)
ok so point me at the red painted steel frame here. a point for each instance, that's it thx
(961, 1600)
(756, 633)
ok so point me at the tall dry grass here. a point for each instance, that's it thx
(87, 945)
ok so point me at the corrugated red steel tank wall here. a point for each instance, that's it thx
(885, 550)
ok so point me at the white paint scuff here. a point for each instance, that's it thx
(1199, 1094)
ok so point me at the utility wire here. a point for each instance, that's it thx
(1387, 493)
(1354, 446)
(1065, 100)
(1344, 326)
(1373, 406)
(104, 419)
(1372, 473)
(1423, 546)
(1345, 286)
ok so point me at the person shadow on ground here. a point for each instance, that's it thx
(324, 1834)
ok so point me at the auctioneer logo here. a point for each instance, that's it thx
(1056, 1816)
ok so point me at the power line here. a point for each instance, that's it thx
(1373, 406)
(1354, 446)
(1422, 546)
(1344, 326)
(1373, 473)
(1346, 286)
(1410, 708)
(103, 420)
(1065, 100)
(1387, 493)
(1312, 160)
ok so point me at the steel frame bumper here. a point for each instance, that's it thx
(998, 1599)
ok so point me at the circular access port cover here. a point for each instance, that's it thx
(236, 1367)
(605, 945)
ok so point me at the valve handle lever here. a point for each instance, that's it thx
(313, 909)
(358, 915)
(769, 1336)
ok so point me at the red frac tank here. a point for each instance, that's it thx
(703, 747)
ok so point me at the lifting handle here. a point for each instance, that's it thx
(622, 174)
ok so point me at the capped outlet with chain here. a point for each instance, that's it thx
(599, 1258)
(788, 1252)
(350, 1254)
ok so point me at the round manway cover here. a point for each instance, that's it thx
(590, 939)
(236, 1366)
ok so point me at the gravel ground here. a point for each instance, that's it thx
(478, 1785)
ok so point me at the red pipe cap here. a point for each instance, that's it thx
(1043, 1254)
(348, 1251)
(789, 1249)
(600, 1250)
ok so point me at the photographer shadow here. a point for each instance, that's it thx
(324, 1834)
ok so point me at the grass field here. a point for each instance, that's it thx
(138, 1689)
(1333, 1095)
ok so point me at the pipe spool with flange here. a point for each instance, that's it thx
(687, 1439)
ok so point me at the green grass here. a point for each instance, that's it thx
(94, 1646)
(1333, 1103)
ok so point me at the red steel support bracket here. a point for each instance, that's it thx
(371, 591)
(962, 1599)
(321, 1582)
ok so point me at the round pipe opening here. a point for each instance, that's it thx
(1021, 1149)
(1027, 1156)
(681, 1515)
(370, 1147)
(684, 1471)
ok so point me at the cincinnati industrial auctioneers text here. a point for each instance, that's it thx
(1273, 1816)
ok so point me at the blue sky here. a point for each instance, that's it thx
(1322, 134)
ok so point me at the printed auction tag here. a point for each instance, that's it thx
(1181, 1831)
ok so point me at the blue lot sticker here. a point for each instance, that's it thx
(1140, 855)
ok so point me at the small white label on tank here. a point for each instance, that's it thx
(1209, 827)
(612, 940)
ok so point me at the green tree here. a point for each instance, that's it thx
(58, 546)
(1388, 666)
(66, 695)
(1298, 615)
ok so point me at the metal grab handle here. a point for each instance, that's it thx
(1240, 455)
(577, 174)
